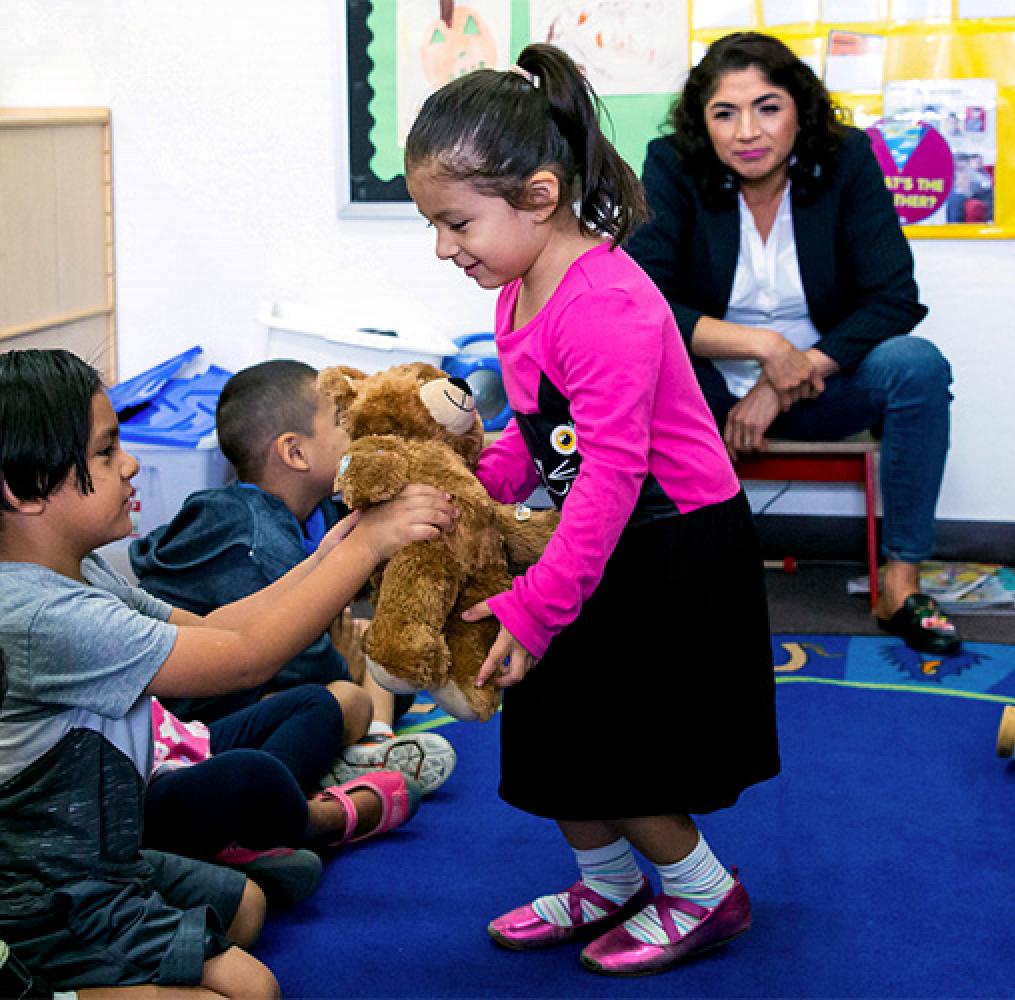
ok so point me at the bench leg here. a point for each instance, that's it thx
(872, 526)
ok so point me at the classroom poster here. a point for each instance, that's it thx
(963, 113)
(440, 40)
(918, 167)
(623, 46)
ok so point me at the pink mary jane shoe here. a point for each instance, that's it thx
(617, 953)
(524, 930)
(399, 795)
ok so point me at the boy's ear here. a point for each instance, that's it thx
(19, 506)
(543, 193)
(291, 449)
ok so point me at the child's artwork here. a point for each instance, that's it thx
(440, 40)
(623, 46)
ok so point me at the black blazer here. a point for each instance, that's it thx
(855, 263)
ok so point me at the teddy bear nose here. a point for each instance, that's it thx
(460, 383)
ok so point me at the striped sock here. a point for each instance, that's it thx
(698, 877)
(611, 871)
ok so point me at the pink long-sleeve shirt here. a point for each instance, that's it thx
(609, 418)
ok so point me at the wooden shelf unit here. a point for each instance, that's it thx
(57, 278)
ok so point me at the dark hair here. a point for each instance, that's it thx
(260, 403)
(45, 421)
(820, 131)
(496, 128)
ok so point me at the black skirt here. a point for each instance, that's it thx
(659, 699)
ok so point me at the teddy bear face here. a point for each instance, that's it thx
(414, 401)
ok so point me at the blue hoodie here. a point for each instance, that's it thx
(223, 545)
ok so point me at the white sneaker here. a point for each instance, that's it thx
(427, 757)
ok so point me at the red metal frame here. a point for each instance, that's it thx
(825, 467)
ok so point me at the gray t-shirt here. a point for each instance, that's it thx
(75, 727)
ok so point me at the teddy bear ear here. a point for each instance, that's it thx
(340, 382)
(424, 371)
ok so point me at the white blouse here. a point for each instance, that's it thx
(767, 292)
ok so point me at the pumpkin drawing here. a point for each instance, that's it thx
(455, 44)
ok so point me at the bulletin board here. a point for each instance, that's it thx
(933, 82)
(372, 183)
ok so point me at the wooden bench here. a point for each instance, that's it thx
(851, 461)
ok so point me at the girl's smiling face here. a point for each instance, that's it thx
(484, 235)
(752, 124)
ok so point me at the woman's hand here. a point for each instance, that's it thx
(508, 660)
(792, 373)
(749, 419)
(418, 514)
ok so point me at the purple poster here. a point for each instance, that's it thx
(918, 166)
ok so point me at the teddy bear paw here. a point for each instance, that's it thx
(388, 681)
(469, 705)
(414, 655)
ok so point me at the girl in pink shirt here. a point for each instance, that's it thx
(655, 566)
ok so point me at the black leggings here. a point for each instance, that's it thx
(266, 761)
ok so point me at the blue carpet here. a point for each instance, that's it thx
(879, 863)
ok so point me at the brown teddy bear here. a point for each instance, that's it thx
(413, 424)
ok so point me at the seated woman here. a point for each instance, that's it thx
(776, 243)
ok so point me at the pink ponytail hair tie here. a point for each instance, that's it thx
(525, 75)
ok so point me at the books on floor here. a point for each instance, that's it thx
(961, 588)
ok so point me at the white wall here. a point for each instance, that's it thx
(227, 124)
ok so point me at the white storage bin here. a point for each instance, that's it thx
(168, 476)
(322, 339)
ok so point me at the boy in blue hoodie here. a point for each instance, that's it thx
(283, 438)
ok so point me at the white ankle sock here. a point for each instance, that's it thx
(381, 729)
(698, 877)
(611, 871)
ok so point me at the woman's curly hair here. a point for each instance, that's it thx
(820, 130)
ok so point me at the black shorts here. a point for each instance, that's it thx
(161, 931)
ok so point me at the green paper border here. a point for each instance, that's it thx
(633, 119)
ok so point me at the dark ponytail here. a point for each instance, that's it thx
(497, 128)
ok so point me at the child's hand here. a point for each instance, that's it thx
(508, 660)
(418, 514)
(337, 534)
(347, 637)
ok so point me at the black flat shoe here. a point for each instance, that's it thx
(923, 627)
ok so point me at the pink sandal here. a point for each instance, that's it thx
(400, 797)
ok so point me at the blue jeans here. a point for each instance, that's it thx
(900, 391)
